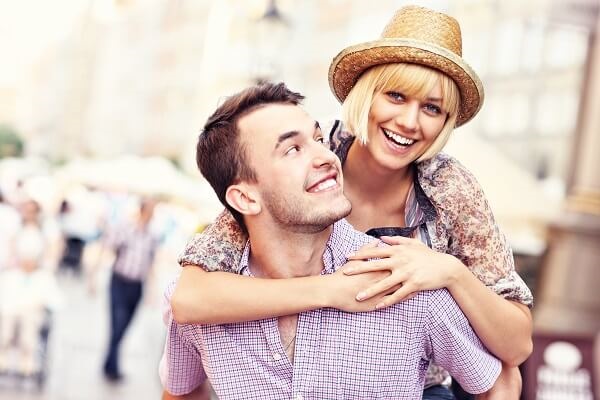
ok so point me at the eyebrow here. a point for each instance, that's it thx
(438, 99)
(288, 135)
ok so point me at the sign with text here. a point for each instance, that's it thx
(562, 367)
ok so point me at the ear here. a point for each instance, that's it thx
(244, 198)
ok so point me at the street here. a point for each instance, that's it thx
(77, 343)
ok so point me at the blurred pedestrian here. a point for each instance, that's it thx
(8, 229)
(74, 243)
(26, 292)
(134, 246)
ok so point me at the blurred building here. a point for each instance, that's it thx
(531, 57)
(140, 76)
(7, 105)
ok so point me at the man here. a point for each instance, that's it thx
(134, 245)
(267, 161)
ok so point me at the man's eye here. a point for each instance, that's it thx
(293, 149)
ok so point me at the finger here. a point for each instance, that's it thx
(410, 296)
(372, 252)
(365, 247)
(402, 294)
(356, 267)
(381, 287)
(398, 240)
(371, 244)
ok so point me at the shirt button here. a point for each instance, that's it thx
(276, 356)
(298, 397)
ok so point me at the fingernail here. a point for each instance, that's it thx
(349, 270)
(361, 296)
(379, 305)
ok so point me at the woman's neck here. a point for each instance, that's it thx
(373, 183)
(378, 194)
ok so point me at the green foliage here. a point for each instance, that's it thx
(11, 144)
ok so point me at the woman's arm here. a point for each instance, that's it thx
(223, 297)
(507, 387)
(504, 326)
(478, 268)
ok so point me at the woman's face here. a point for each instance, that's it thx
(401, 128)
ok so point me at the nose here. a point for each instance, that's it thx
(408, 117)
(323, 156)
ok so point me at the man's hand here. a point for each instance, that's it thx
(507, 386)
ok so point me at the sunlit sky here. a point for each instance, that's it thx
(28, 27)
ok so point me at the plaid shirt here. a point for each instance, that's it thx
(381, 354)
(135, 249)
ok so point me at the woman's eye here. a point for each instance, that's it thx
(397, 96)
(433, 109)
(320, 139)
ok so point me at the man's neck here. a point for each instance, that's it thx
(277, 253)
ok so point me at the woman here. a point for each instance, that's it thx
(402, 97)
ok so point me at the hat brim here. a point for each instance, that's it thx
(351, 62)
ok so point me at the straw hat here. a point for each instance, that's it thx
(414, 35)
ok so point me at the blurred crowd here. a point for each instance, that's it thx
(74, 237)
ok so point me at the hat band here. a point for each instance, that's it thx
(414, 43)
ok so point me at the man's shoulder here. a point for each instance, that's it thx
(442, 308)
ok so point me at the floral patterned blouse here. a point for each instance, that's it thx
(446, 209)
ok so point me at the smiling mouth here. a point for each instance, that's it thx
(327, 183)
(397, 139)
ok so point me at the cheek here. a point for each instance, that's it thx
(434, 128)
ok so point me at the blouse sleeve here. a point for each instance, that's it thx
(218, 248)
(474, 235)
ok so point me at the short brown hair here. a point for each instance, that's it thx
(220, 156)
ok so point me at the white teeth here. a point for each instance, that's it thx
(398, 139)
(329, 183)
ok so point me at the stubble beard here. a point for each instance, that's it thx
(298, 216)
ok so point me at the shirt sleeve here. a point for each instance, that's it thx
(452, 344)
(218, 248)
(474, 235)
(180, 368)
(115, 236)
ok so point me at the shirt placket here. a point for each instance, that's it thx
(300, 373)
(307, 346)
(279, 362)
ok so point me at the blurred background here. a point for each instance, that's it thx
(101, 102)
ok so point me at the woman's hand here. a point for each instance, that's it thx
(341, 289)
(412, 265)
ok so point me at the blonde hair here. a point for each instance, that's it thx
(415, 81)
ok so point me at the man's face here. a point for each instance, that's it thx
(299, 179)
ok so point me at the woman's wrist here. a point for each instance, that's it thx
(324, 291)
(457, 270)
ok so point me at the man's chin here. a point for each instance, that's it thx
(331, 216)
(340, 211)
